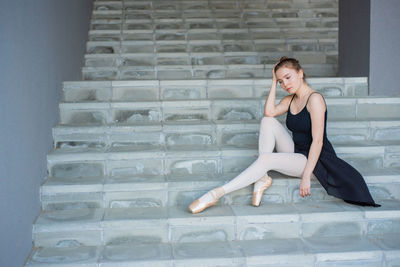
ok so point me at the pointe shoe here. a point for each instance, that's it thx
(259, 187)
(198, 206)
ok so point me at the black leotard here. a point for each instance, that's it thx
(337, 177)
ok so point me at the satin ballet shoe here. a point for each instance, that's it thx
(259, 187)
(198, 206)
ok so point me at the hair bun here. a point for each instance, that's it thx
(283, 58)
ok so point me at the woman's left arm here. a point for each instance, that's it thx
(316, 107)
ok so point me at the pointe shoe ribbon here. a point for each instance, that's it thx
(259, 187)
(211, 198)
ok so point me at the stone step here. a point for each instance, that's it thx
(139, 90)
(174, 72)
(206, 8)
(368, 251)
(116, 23)
(151, 60)
(220, 4)
(199, 48)
(141, 191)
(110, 45)
(242, 34)
(217, 133)
(131, 113)
(249, 8)
(190, 159)
(94, 227)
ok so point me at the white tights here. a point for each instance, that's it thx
(284, 160)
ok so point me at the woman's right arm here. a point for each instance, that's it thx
(272, 110)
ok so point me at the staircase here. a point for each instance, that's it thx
(169, 108)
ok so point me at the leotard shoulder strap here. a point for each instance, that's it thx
(291, 102)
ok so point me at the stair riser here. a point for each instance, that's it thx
(106, 7)
(207, 24)
(192, 229)
(182, 194)
(284, 253)
(210, 135)
(203, 10)
(196, 162)
(202, 89)
(166, 37)
(187, 72)
(110, 45)
(206, 110)
(149, 60)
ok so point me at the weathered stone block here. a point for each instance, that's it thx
(207, 59)
(169, 48)
(65, 201)
(157, 255)
(77, 169)
(128, 73)
(67, 239)
(137, 115)
(202, 233)
(388, 226)
(136, 199)
(135, 167)
(98, 74)
(138, 36)
(191, 166)
(186, 111)
(178, 92)
(78, 256)
(174, 74)
(232, 111)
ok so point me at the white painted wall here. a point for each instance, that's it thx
(42, 43)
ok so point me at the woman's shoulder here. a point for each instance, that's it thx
(316, 101)
(287, 98)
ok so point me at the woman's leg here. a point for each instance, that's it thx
(292, 164)
(272, 135)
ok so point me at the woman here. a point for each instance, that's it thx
(308, 153)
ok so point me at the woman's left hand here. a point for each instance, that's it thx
(305, 187)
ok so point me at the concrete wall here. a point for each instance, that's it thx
(385, 48)
(354, 38)
(42, 43)
(369, 41)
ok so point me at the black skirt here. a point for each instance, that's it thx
(338, 177)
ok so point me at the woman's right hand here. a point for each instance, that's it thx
(274, 79)
(305, 187)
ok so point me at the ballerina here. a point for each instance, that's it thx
(307, 154)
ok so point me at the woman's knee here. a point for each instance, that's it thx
(265, 157)
(269, 120)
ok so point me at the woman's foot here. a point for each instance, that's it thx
(259, 187)
(207, 200)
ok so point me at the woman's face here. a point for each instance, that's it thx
(289, 79)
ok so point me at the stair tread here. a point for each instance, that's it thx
(273, 252)
(210, 150)
(306, 211)
(371, 175)
(190, 124)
